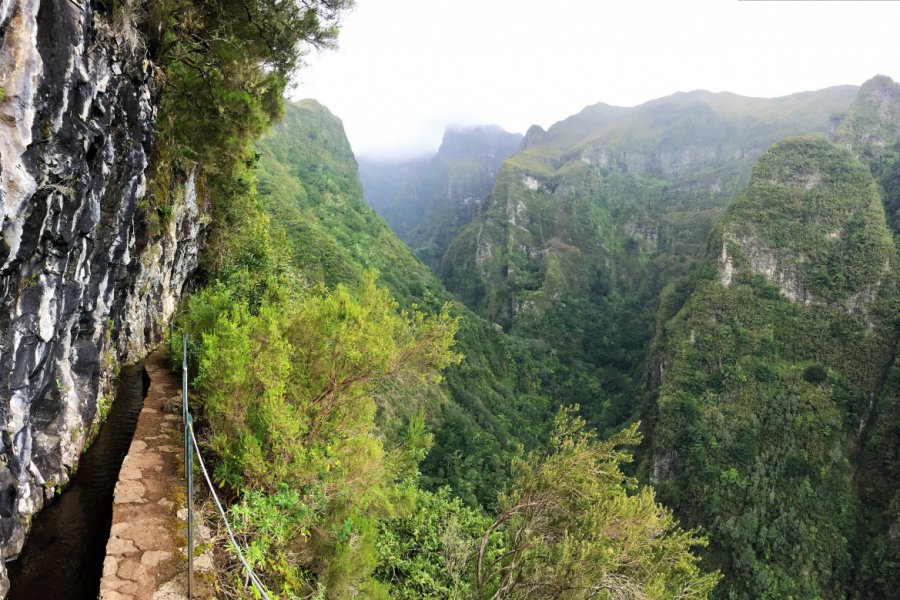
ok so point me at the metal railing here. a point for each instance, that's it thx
(188, 464)
(190, 446)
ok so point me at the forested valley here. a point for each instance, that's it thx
(684, 310)
(648, 352)
(706, 284)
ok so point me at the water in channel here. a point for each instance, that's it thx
(63, 554)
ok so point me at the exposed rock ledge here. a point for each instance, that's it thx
(83, 283)
(765, 262)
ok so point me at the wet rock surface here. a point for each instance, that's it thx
(84, 282)
(63, 554)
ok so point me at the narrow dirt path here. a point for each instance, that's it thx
(145, 555)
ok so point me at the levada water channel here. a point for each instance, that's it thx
(63, 555)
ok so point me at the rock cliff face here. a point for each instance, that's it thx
(86, 283)
(802, 229)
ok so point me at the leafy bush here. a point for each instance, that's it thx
(290, 393)
(428, 552)
(570, 528)
(815, 374)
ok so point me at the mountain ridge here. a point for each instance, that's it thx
(489, 404)
(432, 198)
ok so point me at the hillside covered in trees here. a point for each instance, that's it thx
(677, 264)
(647, 353)
(734, 288)
(355, 365)
(750, 295)
(684, 280)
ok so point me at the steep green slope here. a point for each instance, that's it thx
(872, 130)
(497, 397)
(587, 224)
(767, 374)
(312, 402)
(872, 124)
(426, 202)
(310, 185)
(771, 416)
(877, 544)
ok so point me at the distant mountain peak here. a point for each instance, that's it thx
(534, 135)
(878, 82)
(872, 126)
(477, 140)
(476, 129)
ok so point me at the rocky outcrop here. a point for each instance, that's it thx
(86, 283)
(783, 271)
(619, 190)
(534, 135)
(800, 227)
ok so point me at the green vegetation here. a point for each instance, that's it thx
(568, 528)
(585, 228)
(428, 551)
(818, 213)
(878, 568)
(762, 394)
(223, 66)
(326, 499)
(498, 397)
(290, 395)
(426, 202)
(310, 186)
(317, 388)
(314, 364)
(872, 125)
(376, 439)
(872, 130)
(890, 185)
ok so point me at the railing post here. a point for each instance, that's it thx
(189, 467)
(188, 463)
(184, 398)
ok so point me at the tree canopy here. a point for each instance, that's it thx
(572, 525)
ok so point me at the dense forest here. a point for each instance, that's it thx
(732, 286)
(649, 352)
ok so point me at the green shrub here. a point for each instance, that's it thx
(569, 528)
(427, 552)
(815, 374)
(290, 393)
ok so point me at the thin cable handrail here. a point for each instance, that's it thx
(237, 548)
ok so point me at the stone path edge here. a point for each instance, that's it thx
(145, 554)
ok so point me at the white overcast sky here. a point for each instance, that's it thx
(405, 69)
